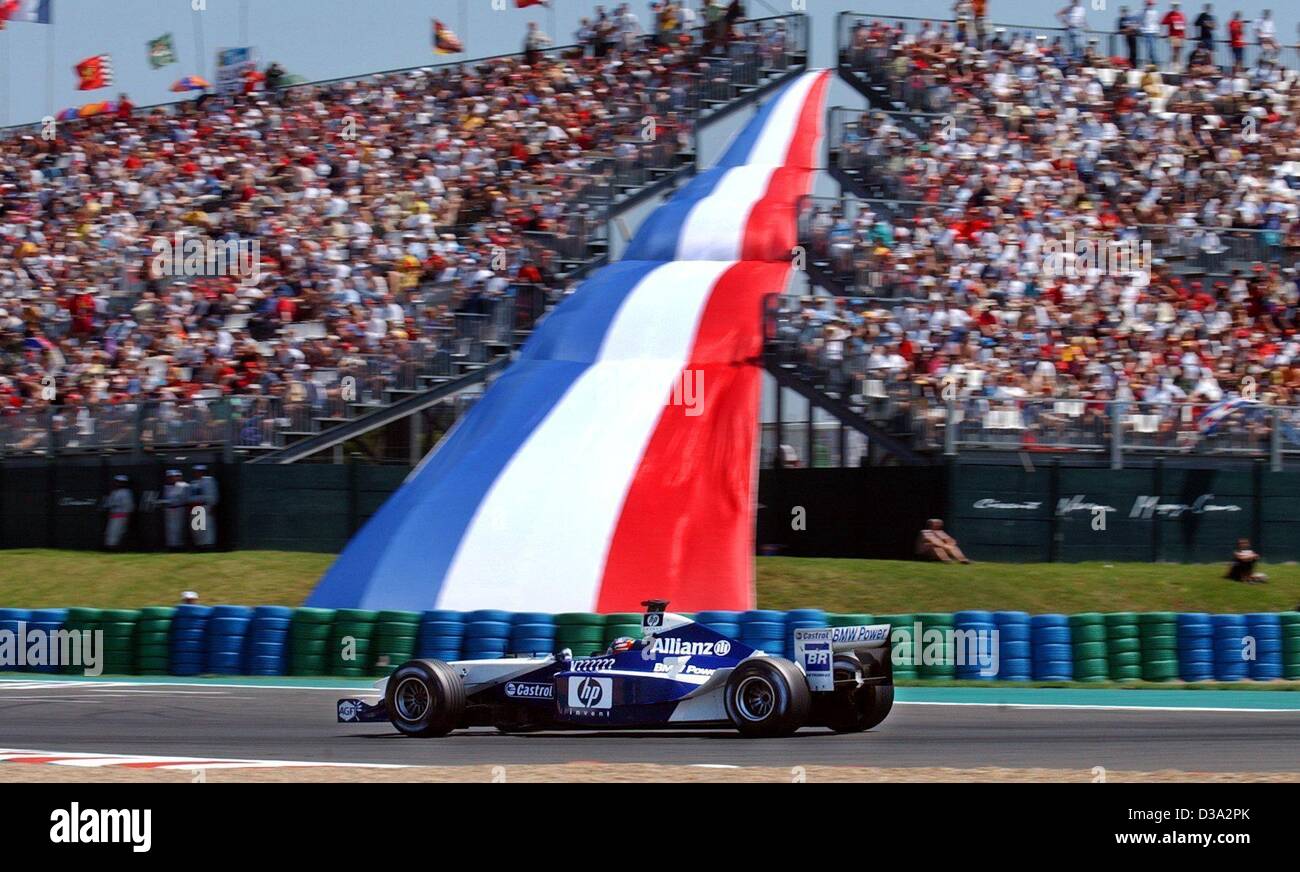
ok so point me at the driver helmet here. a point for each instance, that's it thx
(621, 644)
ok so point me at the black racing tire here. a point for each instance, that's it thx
(425, 698)
(767, 697)
(854, 709)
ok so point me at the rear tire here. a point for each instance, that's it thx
(425, 698)
(854, 709)
(767, 697)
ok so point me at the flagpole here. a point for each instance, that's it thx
(4, 76)
(464, 24)
(198, 42)
(49, 69)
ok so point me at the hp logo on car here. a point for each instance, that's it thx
(654, 620)
(590, 692)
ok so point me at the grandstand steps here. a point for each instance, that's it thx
(898, 446)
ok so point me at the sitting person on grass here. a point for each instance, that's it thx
(934, 544)
(1242, 567)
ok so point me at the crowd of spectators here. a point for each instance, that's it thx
(1069, 229)
(379, 211)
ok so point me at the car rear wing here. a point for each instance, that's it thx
(814, 650)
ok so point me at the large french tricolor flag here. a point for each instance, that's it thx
(616, 459)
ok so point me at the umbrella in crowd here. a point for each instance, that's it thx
(92, 109)
(190, 83)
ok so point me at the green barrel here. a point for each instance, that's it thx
(152, 634)
(1158, 645)
(393, 641)
(1088, 633)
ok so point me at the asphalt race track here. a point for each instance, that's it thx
(214, 720)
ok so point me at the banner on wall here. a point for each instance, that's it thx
(233, 64)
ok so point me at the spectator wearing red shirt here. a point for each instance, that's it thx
(1176, 29)
(1237, 40)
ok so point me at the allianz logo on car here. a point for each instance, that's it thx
(675, 646)
(530, 690)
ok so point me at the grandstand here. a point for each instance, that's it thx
(401, 274)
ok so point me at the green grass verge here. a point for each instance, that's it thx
(36, 578)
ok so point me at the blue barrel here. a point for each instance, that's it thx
(188, 646)
(800, 619)
(1266, 629)
(765, 630)
(1195, 646)
(440, 635)
(1015, 655)
(976, 656)
(1229, 642)
(227, 627)
(267, 640)
(1051, 651)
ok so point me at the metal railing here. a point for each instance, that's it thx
(827, 228)
(872, 59)
(953, 418)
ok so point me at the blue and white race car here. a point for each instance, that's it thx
(679, 674)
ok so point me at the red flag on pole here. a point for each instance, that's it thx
(94, 72)
(445, 41)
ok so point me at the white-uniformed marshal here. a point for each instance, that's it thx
(120, 503)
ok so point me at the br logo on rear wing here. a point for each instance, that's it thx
(814, 649)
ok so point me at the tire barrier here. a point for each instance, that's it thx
(47, 622)
(1053, 656)
(189, 630)
(621, 624)
(310, 631)
(274, 640)
(266, 647)
(974, 654)
(901, 630)
(118, 648)
(937, 661)
(1158, 641)
(1088, 647)
(802, 619)
(487, 634)
(227, 628)
(441, 634)
(1290, 645)
(1230, 650)
(1014, 646)
(1265, 628)
(347, 653)
(1123, 646)
(533, 633)
(583, 633)
(15, 621)
(153, 640)
(764, 629)
(393, 642)
(1195, 647)
(724, 622)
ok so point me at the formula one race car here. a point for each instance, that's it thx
(680, 674)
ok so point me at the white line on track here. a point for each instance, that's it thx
(89, 759)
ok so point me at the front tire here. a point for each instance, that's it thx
(767, 697)
(425, 698)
